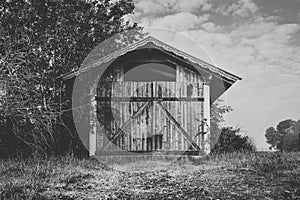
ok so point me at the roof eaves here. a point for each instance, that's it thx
(163, 45)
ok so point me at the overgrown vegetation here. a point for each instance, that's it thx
(231, 141)
(217, 110)
(40, 40)
(262, 175)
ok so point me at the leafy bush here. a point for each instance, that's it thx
(230, 141)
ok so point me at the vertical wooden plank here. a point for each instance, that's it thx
(143, 128)
(173, 111)
(175, 132)
(144, 139)
(166, 130)
(193, 121)
(188, 119)
(125, 115)
(206, 115)
(184, 125)
(169, 130)
(163, 125)
(149, 127)
(122, 108)
(174, 138)
(141, 118)
(159, 129)
(138, 119)
(176, 114)
(131, 114)
(199, 114)
(183, 110)
(165, 89)
(137, 124)
(154, 120)
(155, 128)
(118, 122)
(135, 121)
(131, 126)
(144, 117)
(126, 112)
(181, 123)
(134, 89)
(170, 126)
(136, 128)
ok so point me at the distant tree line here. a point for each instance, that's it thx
(285, 137)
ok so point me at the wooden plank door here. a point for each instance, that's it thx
(147, 116)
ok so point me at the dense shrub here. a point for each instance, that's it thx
(231, 141)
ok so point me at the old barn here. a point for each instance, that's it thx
(151, 97)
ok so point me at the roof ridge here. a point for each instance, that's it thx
(161, 44)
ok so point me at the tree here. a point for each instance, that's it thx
(286, 126)
(290, 142)
(297, 132)
(217, 118)
(230, 141)
(285, 137)
(39, 41)
(273, 138)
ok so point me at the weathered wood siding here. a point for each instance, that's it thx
(151, 129)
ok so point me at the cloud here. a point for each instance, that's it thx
(242, 8)
(210, 27)
(193, 5)
(180, 21)
(167, 7)
(149, 7)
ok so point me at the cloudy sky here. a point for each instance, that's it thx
(258, 40)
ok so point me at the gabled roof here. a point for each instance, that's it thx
(206, 66)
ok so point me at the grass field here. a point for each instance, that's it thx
(230, 176)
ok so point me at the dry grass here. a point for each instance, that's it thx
(227, 176)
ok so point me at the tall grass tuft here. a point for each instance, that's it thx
(26, 179)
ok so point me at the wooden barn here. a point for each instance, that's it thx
(151, 97)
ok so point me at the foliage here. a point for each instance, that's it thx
(230, 141)
(217, 113)
(39, 41)
(285, 137)
(291, 142)
(273, 137)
